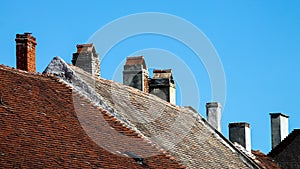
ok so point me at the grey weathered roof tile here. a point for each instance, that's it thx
(180, 131)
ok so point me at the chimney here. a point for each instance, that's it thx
(163, 85)
(136, 74)
(279, 127)
(25, 52)
(87, 59)
(213, 114)
(240, 133)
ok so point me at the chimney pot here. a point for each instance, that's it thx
(213, 113)
(279, 128)
(240, 133)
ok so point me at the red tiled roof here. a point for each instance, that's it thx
(40, 127)
(265, 161)
(199, 146)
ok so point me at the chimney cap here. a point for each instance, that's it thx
(239, 124)
(213, 104)
(84, 45)
(26, 37)
(162, 71)
(275, 115)
(136, 60)
(89, 47)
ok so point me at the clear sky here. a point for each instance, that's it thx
(257, 42)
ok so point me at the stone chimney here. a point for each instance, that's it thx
(213, 114)
(279, 127)
(87, 59)
(136, 74)
(163, 85)
(240, 133)
(25, 52)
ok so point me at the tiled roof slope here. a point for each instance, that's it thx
(265, 161)
(41, 126)
(287, 153)
(180, 131)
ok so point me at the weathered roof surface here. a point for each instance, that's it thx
(136, 60)
(45, 123)
(260, 158)
(265, 161)
(287, 153)
(180, 131)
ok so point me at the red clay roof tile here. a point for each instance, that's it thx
(40, 128)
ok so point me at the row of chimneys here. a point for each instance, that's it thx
(85, 57)
(135, 74)
(240, 132)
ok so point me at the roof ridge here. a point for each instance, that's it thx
(217, 134)
(129, 126)
(23, 72)
(128, 88)
(146, 144)
(137, 134)
(104, 83)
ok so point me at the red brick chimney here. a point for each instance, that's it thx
(25, 51)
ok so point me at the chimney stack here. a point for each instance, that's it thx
(213, 114)
(25, 52)
(163, 86)
(136, 74)
(240, 133)
(87, 59)
(279, 128)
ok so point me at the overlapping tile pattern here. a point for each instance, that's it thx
(179, 131)
(265, 161)
(44, 123)
(287, 153)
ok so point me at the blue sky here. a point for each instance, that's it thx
(257, 43)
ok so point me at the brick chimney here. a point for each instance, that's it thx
(87, 59)
(25, 52)
(213, 114)
(135, 73)
(163, 85)
(279, 127)
(240, 133)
